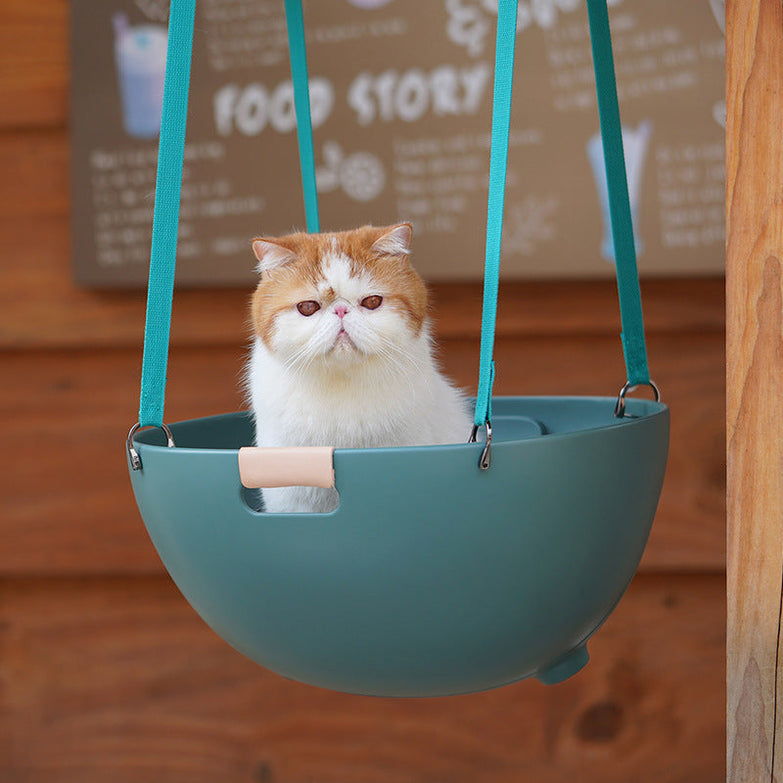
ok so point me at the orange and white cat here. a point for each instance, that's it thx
(343, 352)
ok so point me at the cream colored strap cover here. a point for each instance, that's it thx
(261, 468)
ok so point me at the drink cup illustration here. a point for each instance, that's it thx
(635, 143)
(719, 11)
(140, 56)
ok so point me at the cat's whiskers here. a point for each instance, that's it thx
(384, 357)
(397, 355)
(302, 359)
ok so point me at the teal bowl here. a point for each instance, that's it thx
(432, 577)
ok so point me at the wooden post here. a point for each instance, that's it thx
(754, 354)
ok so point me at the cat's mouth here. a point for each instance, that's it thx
(343, 341)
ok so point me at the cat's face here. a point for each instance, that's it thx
(336, 299)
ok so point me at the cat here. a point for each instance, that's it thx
(342, 353)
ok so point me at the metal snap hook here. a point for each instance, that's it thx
(485, 459)
(133, 455)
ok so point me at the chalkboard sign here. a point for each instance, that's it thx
(401, 98)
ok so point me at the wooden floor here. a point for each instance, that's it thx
(106, 674)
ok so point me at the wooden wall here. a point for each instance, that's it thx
(106, 674)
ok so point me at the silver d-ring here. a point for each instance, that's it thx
(619, 408)
(133, 455)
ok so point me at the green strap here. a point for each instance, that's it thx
(498, 160)
(169, 182)
(165, 222)
(304, 125)
(634, 347)
(168, 188)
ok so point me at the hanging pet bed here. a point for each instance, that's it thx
(445, 569)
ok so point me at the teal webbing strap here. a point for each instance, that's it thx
(634, 347)
(501, 119)
(165, 220)
(169, 181)
(304, 124)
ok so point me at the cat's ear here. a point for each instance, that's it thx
(395, 240)
(271, 254)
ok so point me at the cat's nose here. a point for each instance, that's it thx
(341, 310)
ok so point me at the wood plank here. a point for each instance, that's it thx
(40, 307)
(35, 181)
(579, 307)
(118, 679)
(67, 502)
(34, 63)
(754, 217)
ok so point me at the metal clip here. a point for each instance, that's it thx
(133, 455)
(485, 459)
(619, 408)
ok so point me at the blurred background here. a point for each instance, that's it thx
(106, 674)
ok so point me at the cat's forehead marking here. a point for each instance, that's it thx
(340, 277)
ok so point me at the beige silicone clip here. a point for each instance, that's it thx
(262, 468)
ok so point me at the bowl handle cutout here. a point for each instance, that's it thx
(307, 466)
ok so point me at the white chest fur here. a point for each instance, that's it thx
(368, 404)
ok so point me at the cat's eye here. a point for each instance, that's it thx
(372, 302)
(308, 308)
